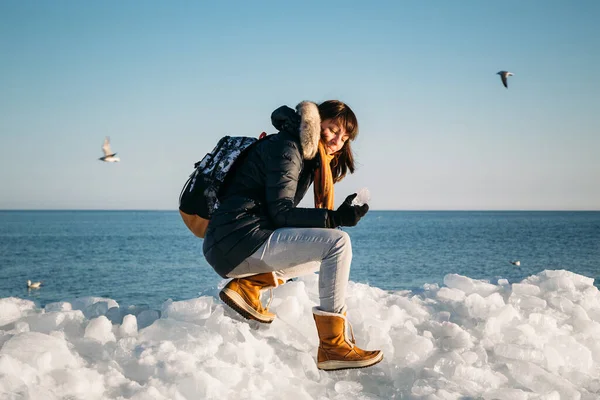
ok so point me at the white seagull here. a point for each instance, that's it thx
(109, 156)
(517, 263)
(504, 76)
(33, 285)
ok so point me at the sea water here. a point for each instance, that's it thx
(143, 258)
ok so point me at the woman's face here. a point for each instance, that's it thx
(333, 135)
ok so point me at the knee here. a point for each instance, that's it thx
(343, 237)
(343, 241)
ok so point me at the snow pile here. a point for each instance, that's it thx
(537, 339)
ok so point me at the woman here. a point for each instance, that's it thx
(260, 238)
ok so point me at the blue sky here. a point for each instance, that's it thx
(165, 80)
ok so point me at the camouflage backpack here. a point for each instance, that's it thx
(199, 197)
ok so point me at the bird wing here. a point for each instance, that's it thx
(504, 81)
(106, 147)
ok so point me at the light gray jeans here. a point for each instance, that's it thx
(292, 252)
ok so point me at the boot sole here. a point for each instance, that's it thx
(237, 303)
(340, 365)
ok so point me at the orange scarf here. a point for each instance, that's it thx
(323, 184)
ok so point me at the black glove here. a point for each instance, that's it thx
(347, 214)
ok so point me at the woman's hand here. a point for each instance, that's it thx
(347, 214)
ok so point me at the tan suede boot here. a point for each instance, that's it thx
(243, 295)
(335, 350)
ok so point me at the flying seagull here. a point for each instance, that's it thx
(33, 285)
(517, 263)
(504, 76)
(109, 156)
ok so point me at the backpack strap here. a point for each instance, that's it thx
(241, 158)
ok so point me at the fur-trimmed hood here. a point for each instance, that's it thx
(305, 122)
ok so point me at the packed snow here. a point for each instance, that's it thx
(468, 339)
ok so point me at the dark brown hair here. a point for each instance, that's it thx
(340, 113)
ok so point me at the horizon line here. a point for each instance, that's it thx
(384, 210)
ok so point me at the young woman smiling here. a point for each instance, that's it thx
(260, 238)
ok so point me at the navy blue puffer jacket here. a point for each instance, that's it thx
(266, 188)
